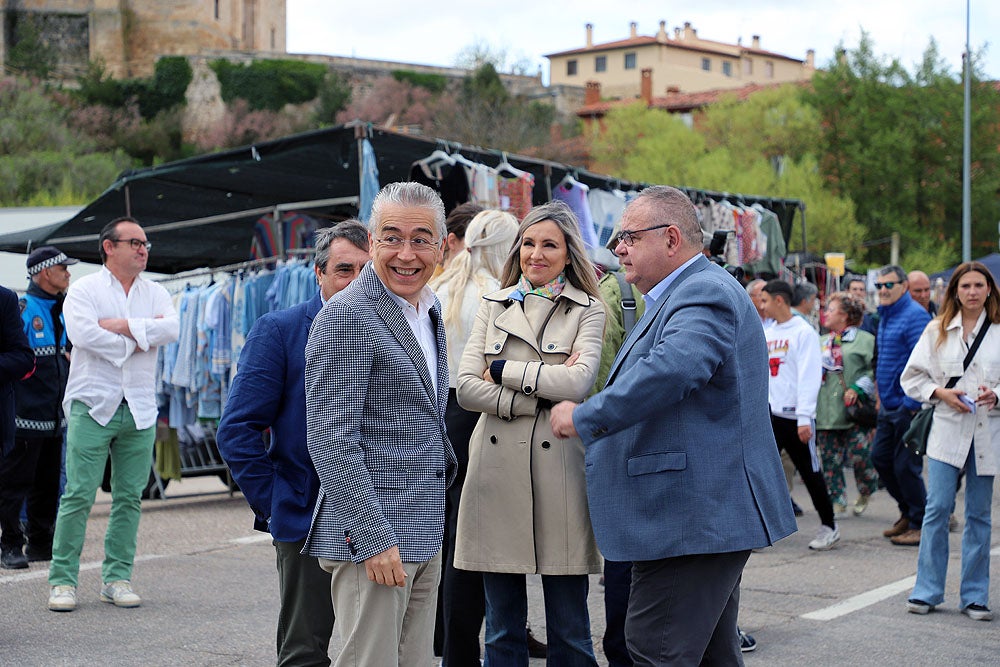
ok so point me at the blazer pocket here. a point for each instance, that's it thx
(658, 462)
(389, 479)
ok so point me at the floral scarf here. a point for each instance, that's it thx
(549, 290)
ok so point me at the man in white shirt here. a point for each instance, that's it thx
(796, 373)
(116, 320)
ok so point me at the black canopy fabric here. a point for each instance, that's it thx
(201, 212)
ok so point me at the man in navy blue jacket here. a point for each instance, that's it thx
(16, 362)
(278, 479)
(901, 321)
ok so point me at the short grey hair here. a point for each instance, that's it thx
(410, 194)
(351, 229)
(677, 209)
(752, 285)
(803, 291)
(894, 268)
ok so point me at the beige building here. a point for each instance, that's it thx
(129, 35)
(682, 62)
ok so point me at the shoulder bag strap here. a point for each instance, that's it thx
(970, 354)
(628, 303)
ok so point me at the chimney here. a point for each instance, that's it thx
(677, 33)
(755, 44)
(633, 29)
(591, 93)
(811, 59)
(661, 35)
(590, 35)
(647, 85)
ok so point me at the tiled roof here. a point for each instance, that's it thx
(682, 101)
(620, 44)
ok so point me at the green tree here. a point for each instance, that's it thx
(30, 55)
(893, 142)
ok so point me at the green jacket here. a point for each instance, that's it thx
(614, 326)
(830, 413)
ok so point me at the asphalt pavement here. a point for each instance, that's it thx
(209, 592)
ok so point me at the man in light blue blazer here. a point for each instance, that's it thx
(277, 476)
(683, 475)
(376, 392)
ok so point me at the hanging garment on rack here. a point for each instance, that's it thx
(515, 194)
(606, 208)
(484, 186)
(775, 248)
(451, 181)
(574, 194)
(369, 181)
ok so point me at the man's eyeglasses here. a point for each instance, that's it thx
(888, 285)
(135, 244)
(629, 237)
(418, 244)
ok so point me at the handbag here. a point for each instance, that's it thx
(863, 412)
(916, 436)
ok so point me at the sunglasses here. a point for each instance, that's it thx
(888, 285)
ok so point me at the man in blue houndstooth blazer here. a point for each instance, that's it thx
(376, 391)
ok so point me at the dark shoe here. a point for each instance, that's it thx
(910, 538)
(796, 509)
(536, 649)
(901, 526)
(37, 555)
(747, 642)
(978, 612)
(915, 606)
(13, 560)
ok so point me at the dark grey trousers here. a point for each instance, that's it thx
(683, 610)
(305, 621)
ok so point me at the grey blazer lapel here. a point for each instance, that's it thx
(390, 313)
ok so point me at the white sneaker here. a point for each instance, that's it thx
(62, 598)
(826, 537)
(120, 594)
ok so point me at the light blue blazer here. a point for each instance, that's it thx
(681, 457)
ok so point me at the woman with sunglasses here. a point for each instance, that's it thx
(524, 504)
(965, 433)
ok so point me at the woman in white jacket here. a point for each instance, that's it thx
(965, 433)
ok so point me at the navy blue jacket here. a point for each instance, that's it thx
(16, 361)
(39, 398)
(277, 479)
(899, 329)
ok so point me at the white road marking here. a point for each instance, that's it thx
(44, 574)
(252, 539)
(861, 601)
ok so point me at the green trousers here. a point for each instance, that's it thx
(87, 445)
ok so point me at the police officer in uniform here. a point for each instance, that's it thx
(32, 470)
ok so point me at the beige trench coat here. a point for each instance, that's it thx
(524, 503)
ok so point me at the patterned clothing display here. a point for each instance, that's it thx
(515, 194)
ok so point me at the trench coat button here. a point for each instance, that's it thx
(527, 390)
(493, 439)
(546, 444)
(552, 346)
(496, 346)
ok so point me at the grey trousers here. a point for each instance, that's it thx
(384, 625)
(305, 620)
(683, 610)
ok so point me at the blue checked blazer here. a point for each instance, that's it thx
(375, 429)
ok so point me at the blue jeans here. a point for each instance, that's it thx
(897, 466)
(932, 562)
(567, 620)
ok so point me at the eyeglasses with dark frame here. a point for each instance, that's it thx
(135, 244)
(629, 237)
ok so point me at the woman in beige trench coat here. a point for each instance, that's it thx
(524, 504)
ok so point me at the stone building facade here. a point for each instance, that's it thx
(129, 35)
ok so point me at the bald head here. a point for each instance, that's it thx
(920, 288)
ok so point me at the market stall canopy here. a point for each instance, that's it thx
(203, 211)
(991, 261)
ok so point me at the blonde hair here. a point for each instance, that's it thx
(488, 239)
